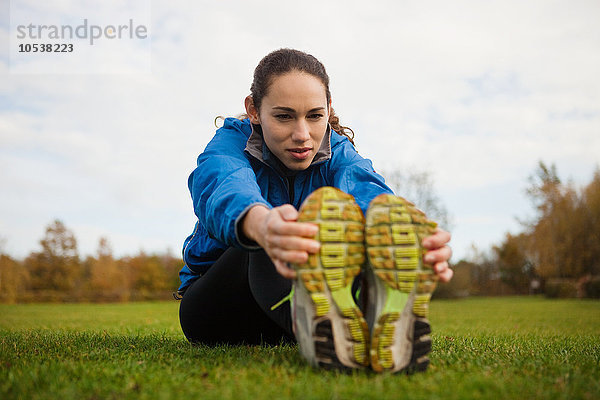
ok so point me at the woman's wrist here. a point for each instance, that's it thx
(252, 222)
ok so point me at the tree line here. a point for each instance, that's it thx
(556, 253)
(57, 273)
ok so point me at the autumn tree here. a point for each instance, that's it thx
(484, 272)
(513, 263)
(461, 284)
(107, 280)
(14, 279)
(172, 265)
(56, 267)
(591, 216)
(148, 275)
(564, 234)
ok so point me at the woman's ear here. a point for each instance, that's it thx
(251, 110)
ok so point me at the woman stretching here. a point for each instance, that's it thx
(287, 209)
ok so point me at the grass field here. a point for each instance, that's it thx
(489, 348)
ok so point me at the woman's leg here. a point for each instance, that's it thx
(220, 308)
(269, 288)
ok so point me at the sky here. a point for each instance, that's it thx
(474, 93)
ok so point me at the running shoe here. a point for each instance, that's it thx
(399, 285)
(329, 327)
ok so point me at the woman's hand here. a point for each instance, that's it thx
(439, 253)
(282, 238)
(287, 241)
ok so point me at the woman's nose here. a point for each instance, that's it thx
(301, 131)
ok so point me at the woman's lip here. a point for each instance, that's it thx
(300, 154)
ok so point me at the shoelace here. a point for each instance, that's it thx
(288, 297)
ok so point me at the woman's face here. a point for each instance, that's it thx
(293, 116)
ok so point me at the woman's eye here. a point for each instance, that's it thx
(283, 116)
(315, 116)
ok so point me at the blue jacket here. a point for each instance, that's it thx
(237, 171)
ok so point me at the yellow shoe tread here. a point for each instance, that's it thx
(394, 231)
(341, 233)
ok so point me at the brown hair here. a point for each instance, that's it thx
(282, 61)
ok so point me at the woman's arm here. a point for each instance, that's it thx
(278, 233)
(223, 186)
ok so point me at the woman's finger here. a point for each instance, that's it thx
(438, 239)
(294, 243)
(289, 256)
(438, 255)
(283, 270)
(277, 224)
(284, 222)
(303, 229)
(287, 211)
(445, 273)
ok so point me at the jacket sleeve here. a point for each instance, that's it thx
(355, 175)
(223, 185)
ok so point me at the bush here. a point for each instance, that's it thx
(459, 286)
(592, 288)
(561, 288)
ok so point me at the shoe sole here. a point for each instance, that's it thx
(339, 331)
(402, 284)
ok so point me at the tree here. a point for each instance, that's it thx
(148, 275)
(172, 265)
(516, 270)
(485, 274)
(57, 266)
(461, 284)
(417, 187)
(13, 279)
(564, 234)
(107, 281)
(591, 215)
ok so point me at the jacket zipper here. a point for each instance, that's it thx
(290, 183)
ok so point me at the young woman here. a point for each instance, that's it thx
(251, 245)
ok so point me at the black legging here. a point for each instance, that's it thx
(231, 303)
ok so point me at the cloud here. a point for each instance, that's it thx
(474, 92)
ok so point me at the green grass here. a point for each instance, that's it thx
(515, 348)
